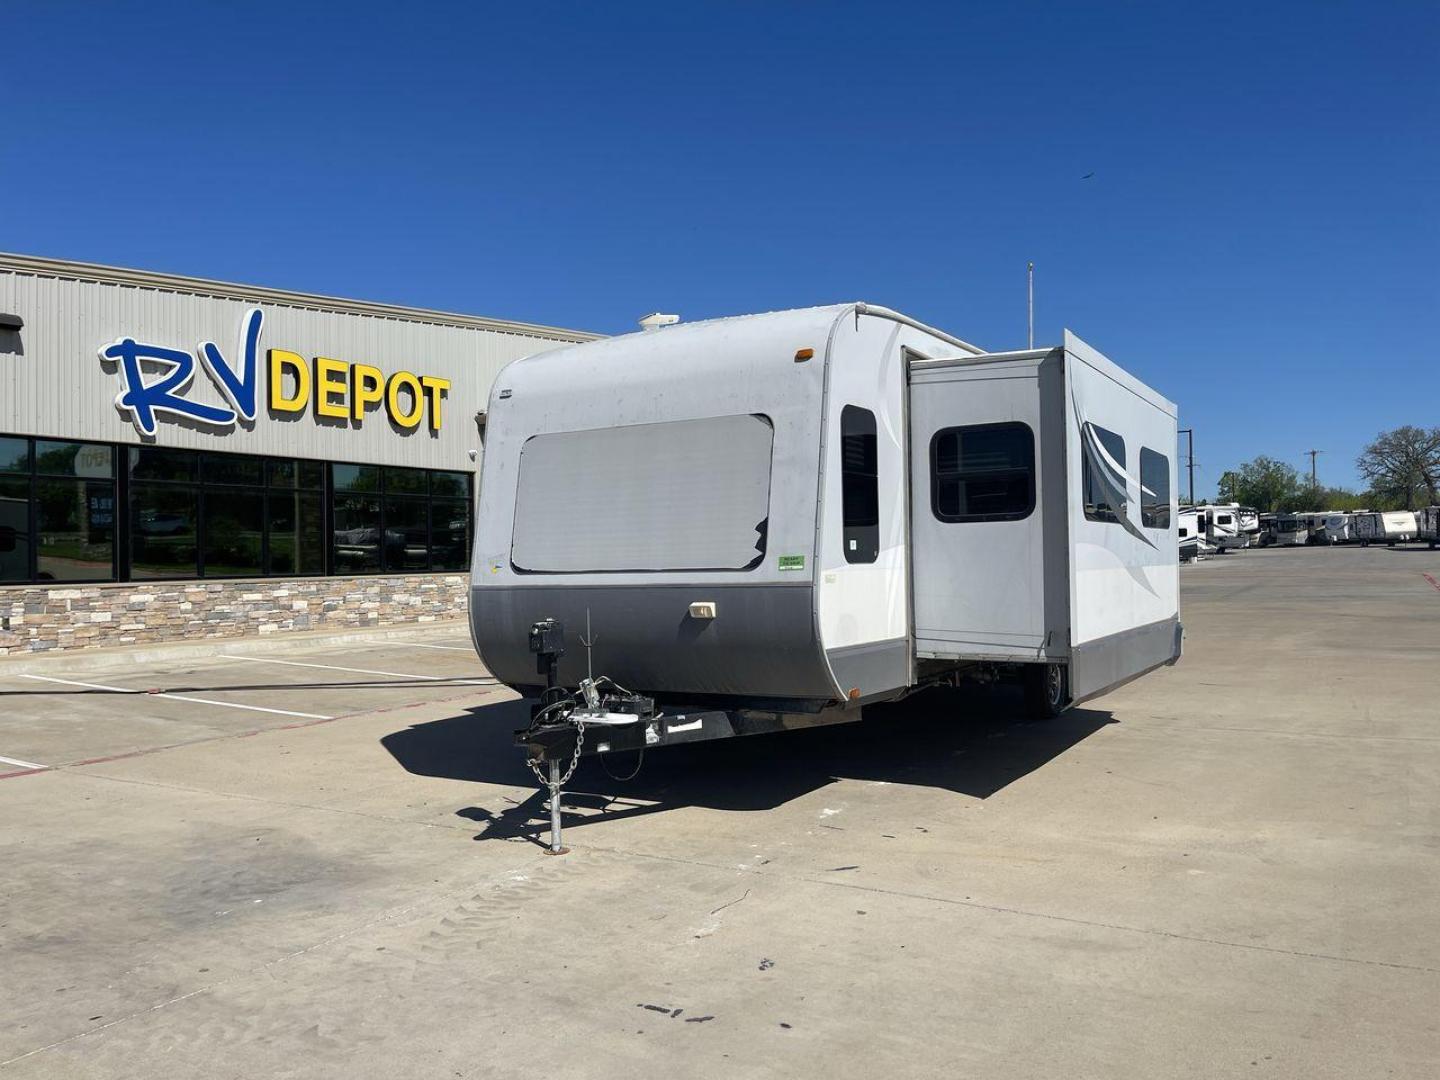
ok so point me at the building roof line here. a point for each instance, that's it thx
(146, 279)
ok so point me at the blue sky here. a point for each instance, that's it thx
(1260, 240)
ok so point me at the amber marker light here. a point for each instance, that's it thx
(801, 355)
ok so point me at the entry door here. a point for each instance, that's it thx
(977, 508)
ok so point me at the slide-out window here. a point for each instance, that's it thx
(682, 495)
(860, 484)
(1102, 457)
(985, 472)
(1154, 489)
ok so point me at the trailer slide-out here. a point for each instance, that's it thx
(759, 523)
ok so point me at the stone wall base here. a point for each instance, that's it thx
(38, 618)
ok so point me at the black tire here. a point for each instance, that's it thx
(1047, 690)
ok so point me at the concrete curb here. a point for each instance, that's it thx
(124, 656)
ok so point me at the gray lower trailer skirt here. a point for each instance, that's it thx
(1106, 663)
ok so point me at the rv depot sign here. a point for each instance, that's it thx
(154, 381)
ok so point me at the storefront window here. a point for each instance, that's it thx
(75, 527)
(450, 534)
(15, 456)
(452, 485)
(163, 522)
(297, 532)
(192, 514)
(234, 534)
(14, 526)
(357, 534)
(408, 529)
(233, 469)
(407, 534)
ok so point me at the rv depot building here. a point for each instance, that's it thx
(182, 458)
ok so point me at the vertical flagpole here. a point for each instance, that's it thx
(1030, 306)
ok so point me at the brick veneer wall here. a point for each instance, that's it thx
(37, 618)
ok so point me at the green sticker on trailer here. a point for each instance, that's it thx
(792, 562)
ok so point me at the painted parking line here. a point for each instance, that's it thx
(1432, 581)
(21, 764)
(176, 697)
(425, 645)
(360, 670)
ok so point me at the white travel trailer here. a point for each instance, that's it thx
(764, 522)
(1292, 530)
(1188, 522)
(1248, 520)
(1222, 527)
(1390, 527)
(1428, 521)
(1337, 527)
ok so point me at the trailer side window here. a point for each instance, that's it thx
(860, 484)
(1154, 489)
(985, 472)
(1102, 456)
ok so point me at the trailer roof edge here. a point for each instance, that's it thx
(147, 279)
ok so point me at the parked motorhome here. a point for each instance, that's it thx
(1267, 529)
(1188, 522)
(1248, 519)
(1389, 527)
(1428, 521)
(1315, 524)
(1291, 530)
(1222, 527)
(763, 522)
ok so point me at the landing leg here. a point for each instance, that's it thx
(555, 848)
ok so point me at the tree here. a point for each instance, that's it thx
(1228, 490)
(1265, 484)
(1403, 466)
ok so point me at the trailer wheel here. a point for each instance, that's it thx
(1047, 690)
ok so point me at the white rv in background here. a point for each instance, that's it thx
(1189, 532)
(1389, 527)
(1315, 522)
(1267, 529)
(1222, 527)
(1428, 521)
(1337, 527)
(1248, 520)
(757, 523)
(1291, 530)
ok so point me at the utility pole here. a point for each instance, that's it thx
(1314, 483)
(1030, 305)
(1189, 433)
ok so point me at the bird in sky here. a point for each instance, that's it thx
(1087, 176)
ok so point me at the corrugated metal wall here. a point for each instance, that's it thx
(52, 382)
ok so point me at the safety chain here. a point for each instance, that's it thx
(574, 760)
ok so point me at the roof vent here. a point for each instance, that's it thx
(657, 319)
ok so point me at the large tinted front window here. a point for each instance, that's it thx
(683, 495)
(983, 472)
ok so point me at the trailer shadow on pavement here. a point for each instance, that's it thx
(973, 743)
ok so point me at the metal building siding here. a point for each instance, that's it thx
(55, 385)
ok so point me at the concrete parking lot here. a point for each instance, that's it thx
(312, 860)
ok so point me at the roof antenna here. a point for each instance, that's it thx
(1030, 290)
